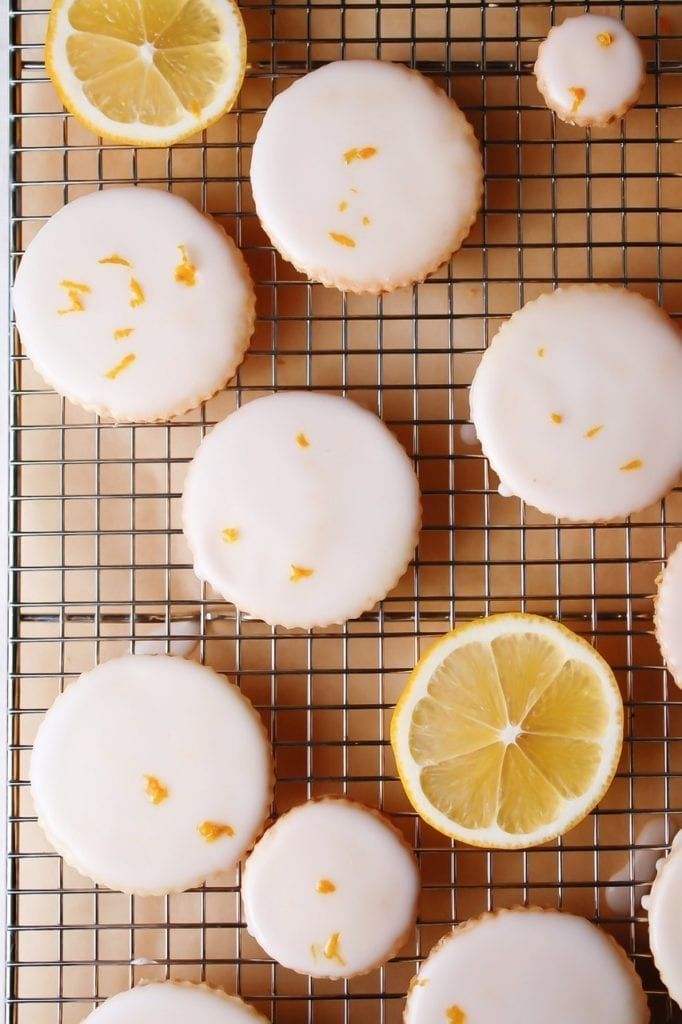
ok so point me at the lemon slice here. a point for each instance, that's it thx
(508, 732)
(146, 72)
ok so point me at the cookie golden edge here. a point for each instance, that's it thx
(403, 939)
(110, 412)
(565, 114)
(214, 990)
(318, 275)
(472, 922)
(674, 667)
(661, 314)
(661, 866)
(75, 863)
(402, 700)
(122, 139)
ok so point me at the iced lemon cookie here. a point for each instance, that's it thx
(576, 403)
(668, 617)
(150, 774)
(366, 176)
(302, 509)
(133, 304)
(526, 966)
(331, 889)
(665, 921)
(590, 70)
(174, 1003)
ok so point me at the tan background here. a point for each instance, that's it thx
(99, 557)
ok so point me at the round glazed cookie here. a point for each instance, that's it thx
(526, 966)
(174, 1003)
(133, 304)
(576, 403)
(668, 614)
(665, 921)
(590, 70)
(366, 176)
(331, 889)
(150, 774)
(301, 509)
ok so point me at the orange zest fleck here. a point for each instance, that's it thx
(541, 353)
(455, 1015)
(136, 293)
(325, 886)
(332, 949)
(302, 441)
(230, 535)
(578, 95)
(74, 289)
(343, 206)
(593, 431)
(557, 418)
(605, 39)
(117, 261)
(127, 360)
(75, 286)
(123, 332)
(212, 831)
(341, 239)
(629, 466)
(155, 790)
(366, 153)
(186, 271)
(298, 573)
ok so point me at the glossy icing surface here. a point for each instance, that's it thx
(366, 176)
(576, 403)
(170, 1003)
(302, 509)
(151, 774)
(669, 614)
(132, 303)
(527, 967)
(590, 69)
(331, 889)
(665, 921)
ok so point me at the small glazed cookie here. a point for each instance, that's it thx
(331, 889)
(366, 176)
(150, 774)
(133, 304)
(526, 966)
(173, 1002)
(576, 403)
(302, 509)
(590, 70)
(665, 920)
(668, 614)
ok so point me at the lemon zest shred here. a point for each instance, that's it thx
(605, 39)
(211, 831)
(324, 886)
(123, 332)
(593, 431)
(633, 464)
(341, 239)
(578, 95)
(186, 271)
(455, 1015)
(557, 418)
(332, 949)
(298, 573)
(366, 222)
(343, 206)
(541, 353)
(302, 441)
(364, 153)
(155, 790)
(230, 535)
(127, 361)
(136, 293)
(116, 261)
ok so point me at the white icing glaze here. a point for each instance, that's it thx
(174, 1003)
(312, 484)
(636, 873)
(609, 364)
(420, 188)
(183, 639)
(527, 967)
(142, 717)
(669, 614)
(599, 58)
(371, 908)
(665, 921)
(187, 340)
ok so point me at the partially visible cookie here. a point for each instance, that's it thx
(668, 614)
(577, 403)
(133, 304)
(665, 920)
(151, 774)
(590, 70)
(331, 889)
(170, 1002)
(366, 176)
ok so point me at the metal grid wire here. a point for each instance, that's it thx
(98, 561)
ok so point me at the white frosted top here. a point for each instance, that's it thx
(669, 614)
(170, 1003)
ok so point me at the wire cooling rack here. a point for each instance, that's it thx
(98, 561)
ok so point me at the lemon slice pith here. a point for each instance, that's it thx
(146, 72)
(508, 732)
